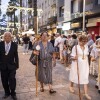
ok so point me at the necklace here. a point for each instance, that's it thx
(83, 55)
(83, 52)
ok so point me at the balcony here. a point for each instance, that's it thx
(76, 15)
(53, 6)
(52, 20)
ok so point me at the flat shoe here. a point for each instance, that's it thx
(52, 91)
(42, 89)
(14, 97)
(99, 91)
(71, 89)
(96, 86)
(5, 96)
(87, 97)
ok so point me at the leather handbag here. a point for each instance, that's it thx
(33, 59)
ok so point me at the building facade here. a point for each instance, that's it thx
(30, 14)
(60, 15)
(25, 15)
(48, 18)
(67, 17)
(0, 8)
(93, 24)
(74, 16)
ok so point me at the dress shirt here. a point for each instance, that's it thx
(7, 47)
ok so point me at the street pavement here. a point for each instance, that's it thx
(26, 83)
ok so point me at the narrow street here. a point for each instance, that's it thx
(26, 83)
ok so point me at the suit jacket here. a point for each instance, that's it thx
(10, 61)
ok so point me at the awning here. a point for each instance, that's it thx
(93, 24)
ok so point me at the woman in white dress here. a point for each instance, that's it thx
(94, 68)
(82, 58)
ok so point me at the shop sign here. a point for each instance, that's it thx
(75, 25)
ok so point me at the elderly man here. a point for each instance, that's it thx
(9, 63)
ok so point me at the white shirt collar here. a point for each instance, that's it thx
(8, 43)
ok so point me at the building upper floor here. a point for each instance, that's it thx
(91, 7)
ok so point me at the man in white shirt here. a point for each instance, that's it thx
(59, 41)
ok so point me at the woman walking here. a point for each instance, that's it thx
(82, 58)
(95, 63)
(46, 55)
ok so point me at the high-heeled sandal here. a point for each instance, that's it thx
(52, 91)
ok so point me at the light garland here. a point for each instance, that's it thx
(21, 9)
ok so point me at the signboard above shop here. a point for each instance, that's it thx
(75, 25)
(66, 26)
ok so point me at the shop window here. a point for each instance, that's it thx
(71, 6)
(74, 6)
(81, 6)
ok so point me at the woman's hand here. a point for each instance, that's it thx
(93, 59)
(36, 52)
(75, 58)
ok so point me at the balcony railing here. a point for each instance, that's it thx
(53, 5)
(78, 14)
(52, 20)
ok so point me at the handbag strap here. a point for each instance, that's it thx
(76, 50)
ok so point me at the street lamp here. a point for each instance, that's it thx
(84, 2)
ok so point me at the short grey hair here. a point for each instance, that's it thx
(8, 33)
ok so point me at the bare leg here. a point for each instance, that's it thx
(71, 84)
(86, 92)
(71, 87)
(42, 87)
(50, 86)
(85, 89)
(65, 60)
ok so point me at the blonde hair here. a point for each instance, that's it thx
(83, 37)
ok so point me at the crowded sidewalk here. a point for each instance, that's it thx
(26, 83)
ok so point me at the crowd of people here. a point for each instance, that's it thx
(78, 53)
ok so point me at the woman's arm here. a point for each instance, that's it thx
(54, 57)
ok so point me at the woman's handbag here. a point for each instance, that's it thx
(33, 59)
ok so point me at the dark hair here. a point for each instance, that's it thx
(25, 34)
(97, 37)
(74, 36)
(52, 37)
(43, 33)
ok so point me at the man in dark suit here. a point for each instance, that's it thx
(9, 63)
